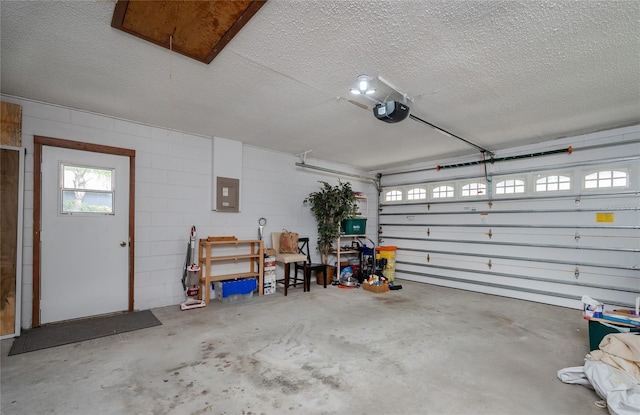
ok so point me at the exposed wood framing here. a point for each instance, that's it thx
(11, 124)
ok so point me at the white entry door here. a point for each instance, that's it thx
(84, 238)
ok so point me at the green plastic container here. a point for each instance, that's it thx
(597, 331)
(354, 226)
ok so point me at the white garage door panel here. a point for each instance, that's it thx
(576, 237)
(521, 284)
(624, 279)
(506, 218)
(605, 238)
(589, 201)
(538, 253)
(505, 292)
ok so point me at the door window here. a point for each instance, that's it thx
(86, 190)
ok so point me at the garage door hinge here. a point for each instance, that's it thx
(428, 258)
(576, 272)
(577, 237)
(428, 231)
(489, 264)
(490, 234)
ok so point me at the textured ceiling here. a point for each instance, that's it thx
(497, 73)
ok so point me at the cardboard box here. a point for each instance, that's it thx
(269, 273)
(269, 284)
(375, 288)
(269, 261)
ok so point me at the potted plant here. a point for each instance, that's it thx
(331, 205)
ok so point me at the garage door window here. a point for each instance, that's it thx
(473, 190)
(605, 179)
(417, 193)
(510, 186)
(553, 183)
(393, 196)
(442, 192)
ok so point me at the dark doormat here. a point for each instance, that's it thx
(80, 330)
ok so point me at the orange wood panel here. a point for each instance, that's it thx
(11, 124)
(198, 29)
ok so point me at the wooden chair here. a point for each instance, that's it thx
(307, 267)
(287, 260)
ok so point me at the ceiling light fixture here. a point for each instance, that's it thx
(364, 86)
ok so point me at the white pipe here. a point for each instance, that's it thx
(341, 173)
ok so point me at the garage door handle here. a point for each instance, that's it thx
(123, 244)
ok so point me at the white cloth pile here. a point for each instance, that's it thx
(613, 372)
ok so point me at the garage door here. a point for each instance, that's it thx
(547, 228)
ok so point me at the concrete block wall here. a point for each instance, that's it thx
(173, 192)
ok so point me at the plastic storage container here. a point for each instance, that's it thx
(388, 253)
(597, 332)
(354, 226)
(234, 290)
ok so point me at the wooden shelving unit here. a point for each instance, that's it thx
(363, 210)
(207, 260)
(338, 252)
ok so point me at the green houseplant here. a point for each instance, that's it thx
(331, 205)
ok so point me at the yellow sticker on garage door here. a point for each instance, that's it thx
(604, 217)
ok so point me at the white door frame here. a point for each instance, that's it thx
(40, 141)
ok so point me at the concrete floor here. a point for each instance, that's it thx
(421, 350)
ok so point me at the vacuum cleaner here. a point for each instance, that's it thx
(191, 276)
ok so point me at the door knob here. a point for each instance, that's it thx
(123, 244)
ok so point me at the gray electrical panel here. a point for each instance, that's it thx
(227, 194)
